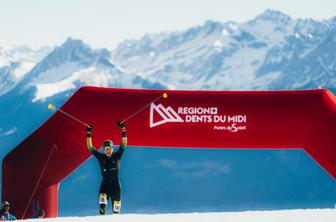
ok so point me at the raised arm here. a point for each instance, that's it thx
(123, 138)
(89, 139)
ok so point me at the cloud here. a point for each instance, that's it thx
(80, 178)
(195, 169)
(170, 164)
(10, 131)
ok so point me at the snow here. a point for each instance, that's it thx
(240, 74)
(23, 69)
(225, 32)
(26, 57)
(58, 73)
(270, 77)
(8, 47)
(233, 26)
(227, 58)
(97, 69)
(152, 54)
(218, 45)
(221, 59)
(316, 215)
(91, 76)
(118, 67)
(267, 30)
(3, 61)
(46, 90)
(10, 131)
(88, 76)
(17, 61)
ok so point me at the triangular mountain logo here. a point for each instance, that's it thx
(163, 115)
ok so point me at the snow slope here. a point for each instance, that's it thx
(318, 215)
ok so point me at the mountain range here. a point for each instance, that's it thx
(270, 52)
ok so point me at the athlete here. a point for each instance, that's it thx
(109, 163)
(4, 213)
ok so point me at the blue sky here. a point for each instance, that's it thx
(158, 180)
(104, 23)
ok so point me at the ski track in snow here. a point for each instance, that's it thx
(317, 215)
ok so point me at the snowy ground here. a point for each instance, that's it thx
(326, 215)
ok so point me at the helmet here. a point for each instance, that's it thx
(108, 143)
(4, 204)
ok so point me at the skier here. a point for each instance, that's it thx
(109, 163)
(4, 214)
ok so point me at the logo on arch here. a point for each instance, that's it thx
(211, 115)
(160, 115)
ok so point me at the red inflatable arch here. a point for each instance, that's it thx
(196, 119)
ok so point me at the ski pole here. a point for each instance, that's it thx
(53, 107)
(164, 95)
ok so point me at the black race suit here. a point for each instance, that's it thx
(109, 168)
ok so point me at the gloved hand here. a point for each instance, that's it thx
(89, 128)
(121, 124)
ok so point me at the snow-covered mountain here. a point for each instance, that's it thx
(74, 64)
(272, 51)
(15, 62)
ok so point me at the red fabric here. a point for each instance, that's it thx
(270, 119)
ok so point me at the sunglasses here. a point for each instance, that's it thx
(107, 148)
